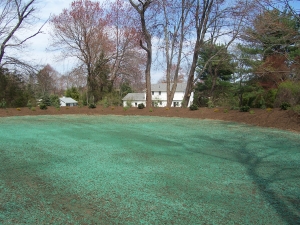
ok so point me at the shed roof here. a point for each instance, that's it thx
(135, 97)
(163, 87)
(67, 100)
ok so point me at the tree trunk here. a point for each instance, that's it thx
(190, 81)
(141, 9)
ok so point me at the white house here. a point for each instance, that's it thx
(66, 101)
(159, 96)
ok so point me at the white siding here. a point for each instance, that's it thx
(159, 97)
(134, 103)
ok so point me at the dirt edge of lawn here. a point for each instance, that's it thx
(273, 118)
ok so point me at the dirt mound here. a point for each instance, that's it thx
(276, 118)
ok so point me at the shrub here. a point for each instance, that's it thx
(46, 100)
(128, 103)
(296, 109)
(216, 110)
(104, 102)
(29, 104)
(80, 104)
(288, 91)
(32, 108)
(150, 110)
(210, 104)
(3, 104)
(18, 109)
(285, 105)
(141, 106)
(269, 109)
(270, 97)
(54, 99)
(193, 107)
(110, 99)
(126, 108)
(92, 106)
(43, 106)
(251, 112)
(225, 111)
(55, 102)
(244, 108)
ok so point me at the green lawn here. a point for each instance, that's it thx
(146, 170)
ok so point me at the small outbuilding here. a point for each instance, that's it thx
(67, 101)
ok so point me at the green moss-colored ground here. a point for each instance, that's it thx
(146, 170)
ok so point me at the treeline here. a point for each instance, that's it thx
(262, 71)
(46, 86)
(232, 53)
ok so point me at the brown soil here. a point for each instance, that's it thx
(276, 118)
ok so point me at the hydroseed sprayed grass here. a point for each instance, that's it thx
(146, 170)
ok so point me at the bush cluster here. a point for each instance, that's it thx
(92, 106)
(193, 107)
(43, 106)
(244, 108)
(3, 104)
(141, 106)
(285, 105)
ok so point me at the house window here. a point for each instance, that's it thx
(135, 104)
(160, 102)
(175, 104)
(152, 92)
(159, 92)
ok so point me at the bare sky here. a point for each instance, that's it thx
(38, 53)
(39, 45)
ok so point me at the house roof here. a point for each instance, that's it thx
(135, 97)
(163, 87)
(67, 100)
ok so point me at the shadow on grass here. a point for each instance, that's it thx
(286, 206)
(277, 178)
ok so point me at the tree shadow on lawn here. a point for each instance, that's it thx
(276, 177)
(286, 205)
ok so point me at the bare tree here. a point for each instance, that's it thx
(281, 5)
(213, 20)
(126, 57)
(46, 79)
(80, 32)
(16, 19)
(141, 7)
(175, 28)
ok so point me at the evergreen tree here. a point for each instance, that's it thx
(272, 47)
(215, 70)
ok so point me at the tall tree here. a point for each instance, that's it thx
(175, 29)
(272, 42)
(46, 78)
(80, 32)
(126, 57)
(220, 69)
(214, 19)
(141, 7)
(17, 20)
(12, 89)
